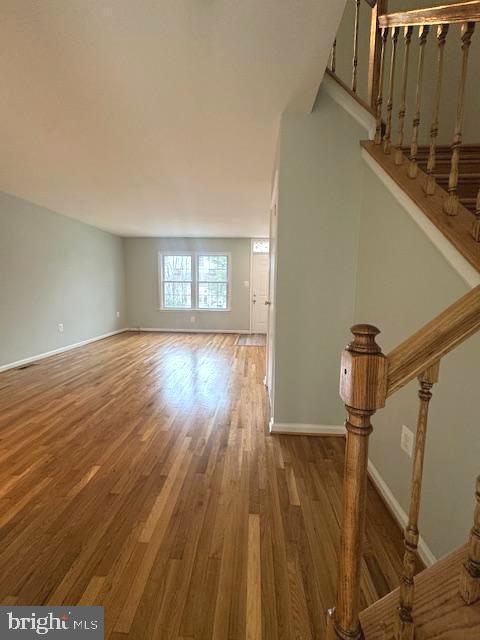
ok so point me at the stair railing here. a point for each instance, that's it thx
(422, 21)
(367, 379)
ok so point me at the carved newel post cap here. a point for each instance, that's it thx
(364, 340)
(363, 373)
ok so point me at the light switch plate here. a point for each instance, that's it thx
(60, 327)
(407, 440)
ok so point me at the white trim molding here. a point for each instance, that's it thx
(350, 105)
(401, 517)
(290, 428)
(464, 269)
(47, 354)
(161, 330)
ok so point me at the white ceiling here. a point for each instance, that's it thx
(155, 117)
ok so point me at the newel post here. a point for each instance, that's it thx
(363, 388)
(470, 576)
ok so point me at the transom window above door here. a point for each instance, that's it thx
(260, 246)
(194, 281)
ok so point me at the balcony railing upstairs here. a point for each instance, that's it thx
(416, 110)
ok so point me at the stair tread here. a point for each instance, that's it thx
(439, 611)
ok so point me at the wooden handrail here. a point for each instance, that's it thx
(444, 14)
(437, 338)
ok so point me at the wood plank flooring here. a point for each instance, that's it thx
(137, 473)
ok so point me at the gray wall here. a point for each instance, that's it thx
(54, 269)
(318, 218)
(402, 283)
(348, 252)
(141, 256)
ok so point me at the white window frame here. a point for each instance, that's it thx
(195, 255)
(161, 289)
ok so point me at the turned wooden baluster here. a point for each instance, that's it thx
(363, 389)
(470, 576)
(379, 8)
(333, 56)
(476, 224)
(451, 202)
(355, 47)
(378, 131)
(388, 128)
(403, 100)
(405, 626)
(430, 183)
(413, 167)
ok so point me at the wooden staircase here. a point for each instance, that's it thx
(443, 601)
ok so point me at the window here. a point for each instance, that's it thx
(212, 282)
(177, 281)
(261, 246)
(198, 281)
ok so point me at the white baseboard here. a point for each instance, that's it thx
(47, 354)
(287, 428)
(333, 430)
(156, 329)
(423, 551)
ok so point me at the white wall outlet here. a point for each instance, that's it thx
(192, 319)
(118, 314)
(407, 440)
(60, 327)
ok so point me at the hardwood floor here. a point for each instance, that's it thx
(138, 473)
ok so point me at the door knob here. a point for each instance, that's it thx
(268, 303)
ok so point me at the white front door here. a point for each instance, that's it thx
(260, 277)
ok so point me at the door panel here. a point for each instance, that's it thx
(260, 278)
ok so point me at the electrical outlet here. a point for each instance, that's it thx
(192, 319)
(60, 327)
(407, 440)
(118, 314)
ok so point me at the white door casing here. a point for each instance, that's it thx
(270, 377)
